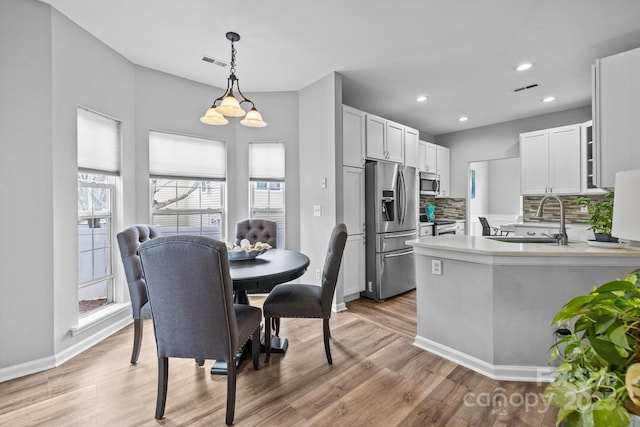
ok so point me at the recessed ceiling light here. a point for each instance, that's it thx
(463, 118)
(524, 66)
(422, 98)
(549, 99)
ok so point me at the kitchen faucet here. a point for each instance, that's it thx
(562, 237)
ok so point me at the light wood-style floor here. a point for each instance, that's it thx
(378, 379)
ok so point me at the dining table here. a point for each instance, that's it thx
(260, 275)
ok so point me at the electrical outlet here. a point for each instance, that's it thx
(369, 287)
(317, 210)
(436, 267)
(317, 274)
(584, 209)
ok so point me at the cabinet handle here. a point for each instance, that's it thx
(531, 233)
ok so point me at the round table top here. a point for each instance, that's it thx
(267, 270)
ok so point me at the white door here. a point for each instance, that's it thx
(410, 147)
(564, 160)
(395, 142)
(353, 136)
(431, 157)
(376, 137)
(353, 265)
(353, 199)
(422, 156)
(442, 163)
(534, 162)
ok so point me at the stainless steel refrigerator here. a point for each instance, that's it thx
(391, 209)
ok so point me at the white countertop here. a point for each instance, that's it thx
(480, 245)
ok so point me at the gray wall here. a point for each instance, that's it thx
(49, 67)
(26, 219)
(498, 141)
(320, 103)
(504, 186)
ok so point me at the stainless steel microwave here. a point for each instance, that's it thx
(429, 184)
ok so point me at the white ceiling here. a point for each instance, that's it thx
(460, 53)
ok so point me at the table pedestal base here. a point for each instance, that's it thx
(278, 344)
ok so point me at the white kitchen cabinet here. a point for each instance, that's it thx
(353, 199)
(395, 142)
(550, 161)
(616, 103)
(384, 139)
(376, 137)
(427, 157)
(353, 136)
(443, 169)
(353, 265)
(411, 137)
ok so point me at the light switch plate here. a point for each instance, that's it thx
(317, 210)
(323, 183)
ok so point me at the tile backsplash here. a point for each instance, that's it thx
(450, 208)
(456, 208)
(551, 212)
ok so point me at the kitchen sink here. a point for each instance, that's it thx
(524, 239)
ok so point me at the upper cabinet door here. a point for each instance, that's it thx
(616, 104)
(353, 136)
(422, 156)
(443, 169)
(411, 147)
(431, 161)
(564, 160)
(376, 137)
(534, 162)
(395, 142)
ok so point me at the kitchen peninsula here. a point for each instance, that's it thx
(488, 305)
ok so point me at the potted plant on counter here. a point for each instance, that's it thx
(601, 216)
(598, 382)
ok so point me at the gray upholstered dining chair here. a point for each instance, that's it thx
(257, 230)
(191, 296)
(129, 240)
(299, 300)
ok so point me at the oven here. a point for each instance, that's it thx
(444, 226)
(429, 184)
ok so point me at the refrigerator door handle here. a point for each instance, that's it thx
(396, 235)
(393, 255)
(403, 197)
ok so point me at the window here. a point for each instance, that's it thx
(266, 184)
(98, 167)
(188, 184)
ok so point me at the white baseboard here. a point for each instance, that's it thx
(539, 374)
(39, 365)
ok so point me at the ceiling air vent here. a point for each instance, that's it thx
(212, 60)
(526, 87)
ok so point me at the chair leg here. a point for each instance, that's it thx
(137, 340)
(231, 390)
(163, 377)
(276, 326)
(327, 334)
(267, 339)
(255, 348)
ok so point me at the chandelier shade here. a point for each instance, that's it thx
(212, 117)
(253, 119)
(227, 104)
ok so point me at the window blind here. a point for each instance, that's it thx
(98, 142)
(266, 161)
(181, 156)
